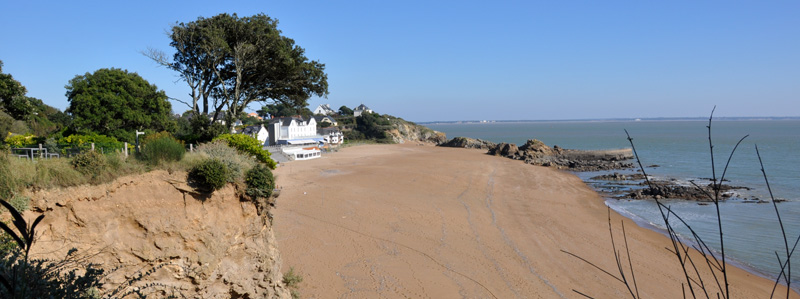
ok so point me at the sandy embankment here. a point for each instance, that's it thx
(424, 222)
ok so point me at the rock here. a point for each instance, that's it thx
(671, 190)
(535, 152)
(465, 142)
(618, 177)
(403, 131)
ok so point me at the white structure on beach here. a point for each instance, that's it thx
(303, 153)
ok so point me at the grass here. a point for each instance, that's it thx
(19, 174)
(292, 281)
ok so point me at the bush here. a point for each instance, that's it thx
(8, 181)
(259, 181)
(20, 202)
(85, 141)
(210, 174)
(161, 147)
(248, 146)
(292, 280)
(90, 163)
(237, 163)
(56, 173)
(21, 140)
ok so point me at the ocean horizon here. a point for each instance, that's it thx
(680, 148)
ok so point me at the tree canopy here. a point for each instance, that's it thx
(230, 62)
(22, 114)
(116, 103)
(345, 111)
(281, 110)
(12, 95)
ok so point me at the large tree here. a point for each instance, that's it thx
(230, 62)
(12, 96)
(116, 103)
(29, 114)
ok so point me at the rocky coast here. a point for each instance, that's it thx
(535, 152)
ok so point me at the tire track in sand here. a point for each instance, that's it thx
(480, 244)
(508, 241)
(398, 244)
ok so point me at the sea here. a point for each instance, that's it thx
(679, 150)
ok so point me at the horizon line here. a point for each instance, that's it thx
(616, 119)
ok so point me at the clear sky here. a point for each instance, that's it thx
(456, 60)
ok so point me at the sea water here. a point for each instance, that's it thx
(681, 150)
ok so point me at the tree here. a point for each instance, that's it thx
(345, 111)
(372, 125)
(25, 112)
(237, 61)
(12, 95)
(283, 110)
(116, 103)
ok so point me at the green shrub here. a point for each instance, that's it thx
(292, 280)
(8, 181)
(259, 181)
(161, 147)
(90, 163)
(249, 146)
(56, 173)
(21, 140)
(85, 142)
(210, 174)
(236, 162)
(20, 202)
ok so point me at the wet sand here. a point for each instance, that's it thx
(410, 221)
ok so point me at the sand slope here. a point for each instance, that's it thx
(409, 221)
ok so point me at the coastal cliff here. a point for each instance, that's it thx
(402, 131)
(199, 246)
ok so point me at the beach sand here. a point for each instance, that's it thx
(411, 221)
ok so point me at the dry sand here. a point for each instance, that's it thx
(409, 221)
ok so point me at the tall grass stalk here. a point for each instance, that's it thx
(695, 283)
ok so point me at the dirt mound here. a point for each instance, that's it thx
(213, 246)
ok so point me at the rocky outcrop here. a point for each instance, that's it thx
(465, 142)
(537, 153)
(671, 190)
(196, 245)
(403, 131)
(618, 177)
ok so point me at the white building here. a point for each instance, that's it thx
(324, 109)
(258, 132)
(293, 130)
(303, 153)
(326, 119)
(332, 136)
(360, 110)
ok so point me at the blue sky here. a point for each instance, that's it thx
(457, 60)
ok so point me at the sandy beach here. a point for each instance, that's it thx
(411, 221)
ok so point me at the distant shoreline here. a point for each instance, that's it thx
(705, 118)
